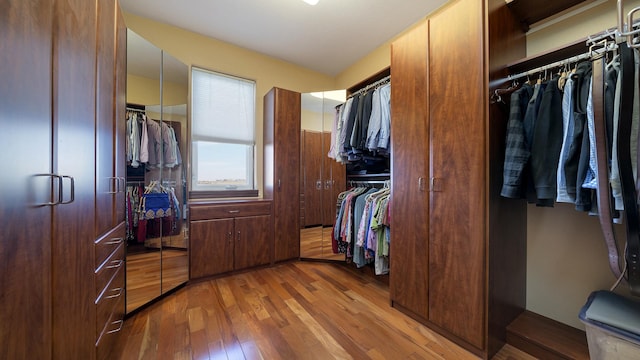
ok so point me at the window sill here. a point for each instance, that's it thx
(223, 194)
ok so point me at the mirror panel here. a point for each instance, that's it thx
(322, 178)
(175, 238)
(143, 253)
(157, 243)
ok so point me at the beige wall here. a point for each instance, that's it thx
(567, 258)
(145, 91)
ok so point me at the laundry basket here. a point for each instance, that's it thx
(612, 323)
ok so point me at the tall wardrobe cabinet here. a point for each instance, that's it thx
(62, 71)
(459, 261)
(282, 169)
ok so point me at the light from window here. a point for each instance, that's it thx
(222, 132)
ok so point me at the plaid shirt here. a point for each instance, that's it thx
(516, 154)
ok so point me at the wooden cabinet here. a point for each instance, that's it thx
(282, 169)
(409, 273)
(49, 98)
(312, 184)
(458, 260)
(231, 236)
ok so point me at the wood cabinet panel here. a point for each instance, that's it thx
(25, 236)
(230, 210)
(120, 110)
(211, 247)
(106, 184)
(106, 301)
(108, 270)
(458, 171)
(253, 241)
(74, 94)
(312, 177)
(409, 276)
(282, 169)
(107, 244)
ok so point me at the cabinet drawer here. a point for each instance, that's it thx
(109, 338)
(107, 300)
(207, 212)
(105, 245)
(106, 271)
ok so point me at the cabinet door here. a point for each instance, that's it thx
(120, 111)
(252, 241)
(74, 94)
(25, 236)
(313, 184)
(211, 247)
(106, 184)
(285, 186)
(408, 282)
(457, 136)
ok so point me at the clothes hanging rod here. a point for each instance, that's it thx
(372, 85)
(136, 110)
(573, 59)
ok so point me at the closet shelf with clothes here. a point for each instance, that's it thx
(361, 230)
(360, 135)
(573, 138)
(150, 142)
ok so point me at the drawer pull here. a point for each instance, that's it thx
(115, 241)
(120, 323)
(119, 290)
(115, 264)
(234, 211)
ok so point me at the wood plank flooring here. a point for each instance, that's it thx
(315, 243)
(299, 310)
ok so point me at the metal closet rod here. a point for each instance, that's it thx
(573, 59)
(372, 85)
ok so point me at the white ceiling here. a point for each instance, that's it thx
(327, 37)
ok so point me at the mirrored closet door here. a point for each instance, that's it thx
(157, 232)
(321, 178)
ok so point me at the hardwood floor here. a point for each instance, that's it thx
(299, 310)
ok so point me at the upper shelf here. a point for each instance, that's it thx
(532, 11)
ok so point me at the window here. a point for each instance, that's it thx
(222, 134)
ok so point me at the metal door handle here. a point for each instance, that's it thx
(115, 241)
(421, 183)
(318, 184)
(119, 290)
(73, 189)
(116, 264)
(53, 176)
(120, 322)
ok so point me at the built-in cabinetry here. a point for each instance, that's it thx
(282, 169)
(229, 236)
(62, 75)
(459, 261)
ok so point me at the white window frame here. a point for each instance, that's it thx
(200, 190)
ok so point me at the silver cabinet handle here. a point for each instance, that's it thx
(421, 183)
(115, 241)
(238, 235)
(73, 190)
(123, 181)
(54, 176)
(279, 184)
(115, 264)
(230, 237)
(119, 322)
(119, 290)
(234, 211)
(319, 185)
(327, 184)
(114, 183)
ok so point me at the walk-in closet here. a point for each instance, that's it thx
(317, 179)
